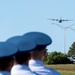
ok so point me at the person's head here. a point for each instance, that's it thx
(25, 46)
(7, 53)
(39, 53)
(42, 40)
(23, 57)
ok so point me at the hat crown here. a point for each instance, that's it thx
(24, 44)
(7, 49)
(39, 37)
(14, 40)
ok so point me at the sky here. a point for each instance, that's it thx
(18, 17)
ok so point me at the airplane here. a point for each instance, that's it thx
(60, 20)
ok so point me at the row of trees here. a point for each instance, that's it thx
(58, 57)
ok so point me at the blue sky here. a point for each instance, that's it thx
(21, 16)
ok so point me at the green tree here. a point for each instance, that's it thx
(72, 49)
(56, 58)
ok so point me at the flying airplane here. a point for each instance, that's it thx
(60, 20)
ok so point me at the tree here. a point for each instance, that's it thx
(57, 58)
(72, 49)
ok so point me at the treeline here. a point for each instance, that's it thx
(58, 57)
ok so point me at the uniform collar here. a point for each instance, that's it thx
(36, 63)
(18, 67)
(4, 72)
(38, 67)
(21, 70)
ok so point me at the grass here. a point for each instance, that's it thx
(64, 69)
(67, 67)
(67, 72)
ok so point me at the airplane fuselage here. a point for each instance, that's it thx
(60, 21)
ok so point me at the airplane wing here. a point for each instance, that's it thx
(54, 19)
(66, 20)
